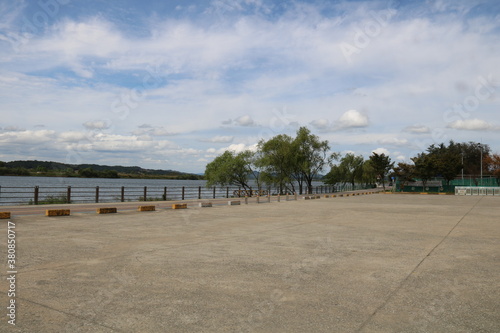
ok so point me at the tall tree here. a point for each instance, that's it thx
(230, 169)
(405, 173)
(382, 165)
(471, 153)
(312, 155)
(493, 162)
(369, 176)
(277, 160)
(447, 160)
(425, 168)
(349, 170)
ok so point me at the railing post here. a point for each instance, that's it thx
(165, 193)
(227, 192)
(36, 195)
(214, 192)
(97, 194)
(199, 192)
(145, 193)
(123, 194)
(68, 195)
(183, 192)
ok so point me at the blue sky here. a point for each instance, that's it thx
(173, 84)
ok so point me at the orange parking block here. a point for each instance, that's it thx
(57, 212)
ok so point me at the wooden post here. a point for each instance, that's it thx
(97, 194)
(183, 192)
(36, 195)
(165, 193)
(145, 193)
(199, 192)
(214, 192)
(68, 195)
(123, 193)
(227, 192)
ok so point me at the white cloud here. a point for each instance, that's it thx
(381, 151)
(321, 124)
(72, 136)
(352, 119)
(96, 125)
(245, 121)
(220, 139)
(27, 137)
(417, 129)
(471, 125)
(393, 141)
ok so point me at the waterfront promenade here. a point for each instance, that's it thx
(367, 263)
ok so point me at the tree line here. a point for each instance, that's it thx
(449, 161)
(57, 169)
(290, 164)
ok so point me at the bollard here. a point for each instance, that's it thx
(107, 210)
(4, 215)
(57, 212)
(179, 206)
(146, 208)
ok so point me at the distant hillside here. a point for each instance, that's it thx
(48, 168)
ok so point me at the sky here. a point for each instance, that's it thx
(173, 84)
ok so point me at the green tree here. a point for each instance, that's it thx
(88, 173)
(277, 160)
(369, 176)
(425, 168)
(471, 153)
(349, 170)
(447, 160)
(382, 165)
(493, 162)
(230, 169)
(312, 156)
(405, 173)
(287, 160)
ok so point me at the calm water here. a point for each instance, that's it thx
(13, 181)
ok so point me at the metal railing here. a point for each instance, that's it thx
(471, 190)
(72, 194)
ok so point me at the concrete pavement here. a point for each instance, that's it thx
(373, 263)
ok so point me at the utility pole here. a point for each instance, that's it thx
(481, 146)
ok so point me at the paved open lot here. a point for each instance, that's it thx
(373, 263)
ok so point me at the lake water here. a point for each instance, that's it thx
(14, 181)
(21, 190)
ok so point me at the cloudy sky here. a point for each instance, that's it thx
(172, 84)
